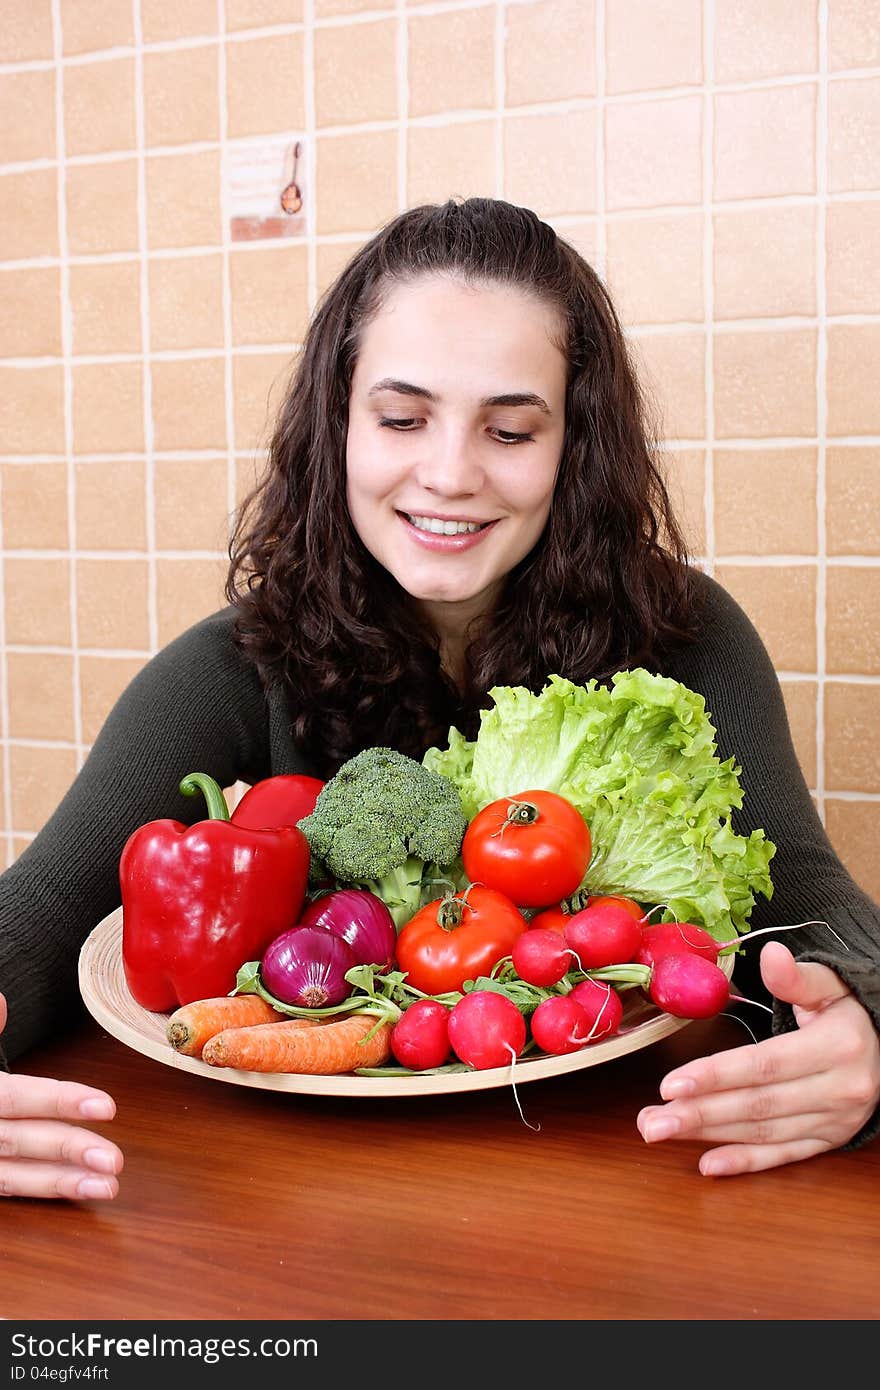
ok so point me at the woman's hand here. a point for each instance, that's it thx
(788, 1097)
(41, 1154)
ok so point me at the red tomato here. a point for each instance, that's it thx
(439, 958)
(534, 847)
(629, 904)
(551, 919)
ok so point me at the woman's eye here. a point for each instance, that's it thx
(502, 436)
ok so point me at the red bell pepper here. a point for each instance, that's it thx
(199, 901)
(281, 800)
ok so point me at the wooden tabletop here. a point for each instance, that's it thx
(238, 1203)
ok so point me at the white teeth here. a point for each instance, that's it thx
(443, 528)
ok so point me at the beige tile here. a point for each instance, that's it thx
(189, 410)
(671, 369)
(550, 162)
(764, 262)
(356, 181)
(102, 207)
(31, 410)
(190, 503)
(270, 295)
(684, 472)
(653, 153)
(27, 115)
(800, 706)
(765, 38)
(331, 259)
(264, 85)
(91, 25)
(781, 602)
(852, 486)
(26, 35)
(40, 777)
(450, 161)
(581, 235)
(765, 383)
(854, 134)
(99, 111)
(853, 258)
(852, 627)
(105, 303)
(34, 506)
(854, 828)
(30, 311)
(852, 749)
(187, 590)
(853, 402)
(355, 73)
(18, 846)
(108, 414)
(40, 695)
(112, 604)
(536, 70)
(111, 505)
(102, 679)
(249, 472)
(765, 142)
(256, 14)
(28, 215)
(186, 302)
(853, 34)
(181, 104)
(183, 199)
(37, 601)
(655, 267)
(654, 44)
(451, 61)
(331, 7)
(765, 501)
(260, 382)
(174, 19)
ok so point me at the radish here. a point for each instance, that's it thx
(559, 1024)
(486, 1029)
(606, 934)
(420, 1038)
(688, 986)
(540, 956)
(602, 1005)
(663, 937)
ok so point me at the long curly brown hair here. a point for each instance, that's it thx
(607, 585)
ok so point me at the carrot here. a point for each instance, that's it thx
(190, 1026)
(282, 1047)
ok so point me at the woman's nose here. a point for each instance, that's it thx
(450, 465)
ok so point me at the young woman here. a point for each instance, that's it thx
(461, 492)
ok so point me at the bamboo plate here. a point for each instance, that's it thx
(106, 995)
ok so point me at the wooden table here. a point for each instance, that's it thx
(244, 1204)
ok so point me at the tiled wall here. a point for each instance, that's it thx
(719, 161)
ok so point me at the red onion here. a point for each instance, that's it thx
(306, 966)
(361, 919)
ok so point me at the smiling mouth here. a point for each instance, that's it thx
(438, 527)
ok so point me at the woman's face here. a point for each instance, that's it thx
(456, 423)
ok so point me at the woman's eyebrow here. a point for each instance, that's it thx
(406, 388)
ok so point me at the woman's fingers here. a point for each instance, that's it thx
(755, 1158)
(61, 1143)
(782, 1058)
(40, 1097)
(35, 1179)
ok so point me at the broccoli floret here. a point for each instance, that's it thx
(380, 822)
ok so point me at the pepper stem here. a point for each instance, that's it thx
(196, 782)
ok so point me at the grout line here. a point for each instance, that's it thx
(67, 373)
(709, 280)
(146, 374)
(401, 39)
(601, 171)
(310, 190)
(500, 74)
(821, 403)
(226, 281)
(779, 560)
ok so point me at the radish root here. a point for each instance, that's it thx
(513, 1087)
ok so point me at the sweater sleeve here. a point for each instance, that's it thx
(732, 669)
(195, 707)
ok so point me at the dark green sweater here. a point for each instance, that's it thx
(200, 706)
